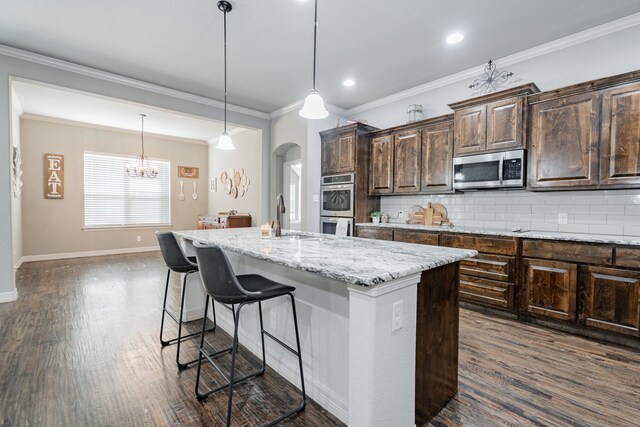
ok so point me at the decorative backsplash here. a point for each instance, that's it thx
(595, 212)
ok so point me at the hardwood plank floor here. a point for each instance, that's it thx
(80, 347)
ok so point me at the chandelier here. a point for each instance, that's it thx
(142, 168)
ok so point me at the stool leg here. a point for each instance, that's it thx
(264, 359)
(201, 348)
(233, 362)
(295, 324)
(184, 291)
(164, 308)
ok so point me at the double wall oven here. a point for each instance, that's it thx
(337, 201)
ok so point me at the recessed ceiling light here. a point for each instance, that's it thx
(455, 38)
(348, 82)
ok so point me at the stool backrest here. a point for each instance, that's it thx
(217, 275)
(172, 253)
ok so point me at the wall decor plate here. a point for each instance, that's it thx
(236, 182)
(224, 177)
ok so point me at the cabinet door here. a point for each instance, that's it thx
(620, 137)
(329, 156)
(381, 178)
(611, 299)
(437, 153)
(564, 142)
(406, 176)
(346, 159)
(470, 135)
(551, 288)
(505, 124)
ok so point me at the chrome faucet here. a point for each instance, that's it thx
(280, 209)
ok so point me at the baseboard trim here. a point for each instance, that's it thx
(19, 263)
(85, 254)
(9, 296)
(288, 368)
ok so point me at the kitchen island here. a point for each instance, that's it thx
(378, 320)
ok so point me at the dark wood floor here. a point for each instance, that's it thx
(80, 348)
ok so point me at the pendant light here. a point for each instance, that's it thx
(224, 142)
(142, 168)
(313, 107)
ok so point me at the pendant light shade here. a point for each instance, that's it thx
(225, 142)
(313, 107)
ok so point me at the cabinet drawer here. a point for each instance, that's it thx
(486, 291)
(576, 252)
(491, 245)
(374, 233)
(416, 237)
(628, 257)
(496, 267)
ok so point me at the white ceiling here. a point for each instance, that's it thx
(386, 46)
(61, 103)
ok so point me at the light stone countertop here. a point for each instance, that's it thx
(359, 261)
(545, 235)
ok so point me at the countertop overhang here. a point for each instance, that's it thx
(349, 259)
(542, 235)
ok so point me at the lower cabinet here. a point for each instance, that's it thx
(550, 288)
(611, 299)
(486, 291)
(416, 237)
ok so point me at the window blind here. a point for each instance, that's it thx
(114, 199)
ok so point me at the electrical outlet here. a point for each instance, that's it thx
(400, 214)
(397, 319)
(316, 198)
(563, 218)
(273, 320)
(139, 238)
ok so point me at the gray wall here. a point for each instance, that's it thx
(87, 80)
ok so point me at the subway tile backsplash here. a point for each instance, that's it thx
(614, 212)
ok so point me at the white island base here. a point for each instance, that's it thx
(355, 365)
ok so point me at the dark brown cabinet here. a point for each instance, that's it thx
(406, 148)
(338, 154)
(421, 238)
(550, 288)
(470, 130)
(381, 177)
(620, 137)
(564, 142)
(489, 123)
(437, 153)
(611, 299)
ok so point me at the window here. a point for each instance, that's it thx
(114, 199)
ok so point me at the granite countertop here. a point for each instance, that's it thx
(348, 259)
(546, 235)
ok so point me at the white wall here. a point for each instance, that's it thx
(601, 57)
(247, 156)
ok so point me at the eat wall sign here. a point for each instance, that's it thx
(53, 176)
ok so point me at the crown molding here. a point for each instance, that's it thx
(543, 49)
(126, 81)
(297, 104)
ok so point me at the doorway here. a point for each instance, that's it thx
(292, 191)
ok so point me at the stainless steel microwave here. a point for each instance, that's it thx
(506, 169)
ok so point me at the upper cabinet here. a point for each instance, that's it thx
(563, 148)
(339, 154)
(586, 136)
(490, 123)
(413, 158)
(620, 137)
(381, 177)
(437, 151)
(406, 148)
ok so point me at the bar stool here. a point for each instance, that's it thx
(222, 285)
(178, 262)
